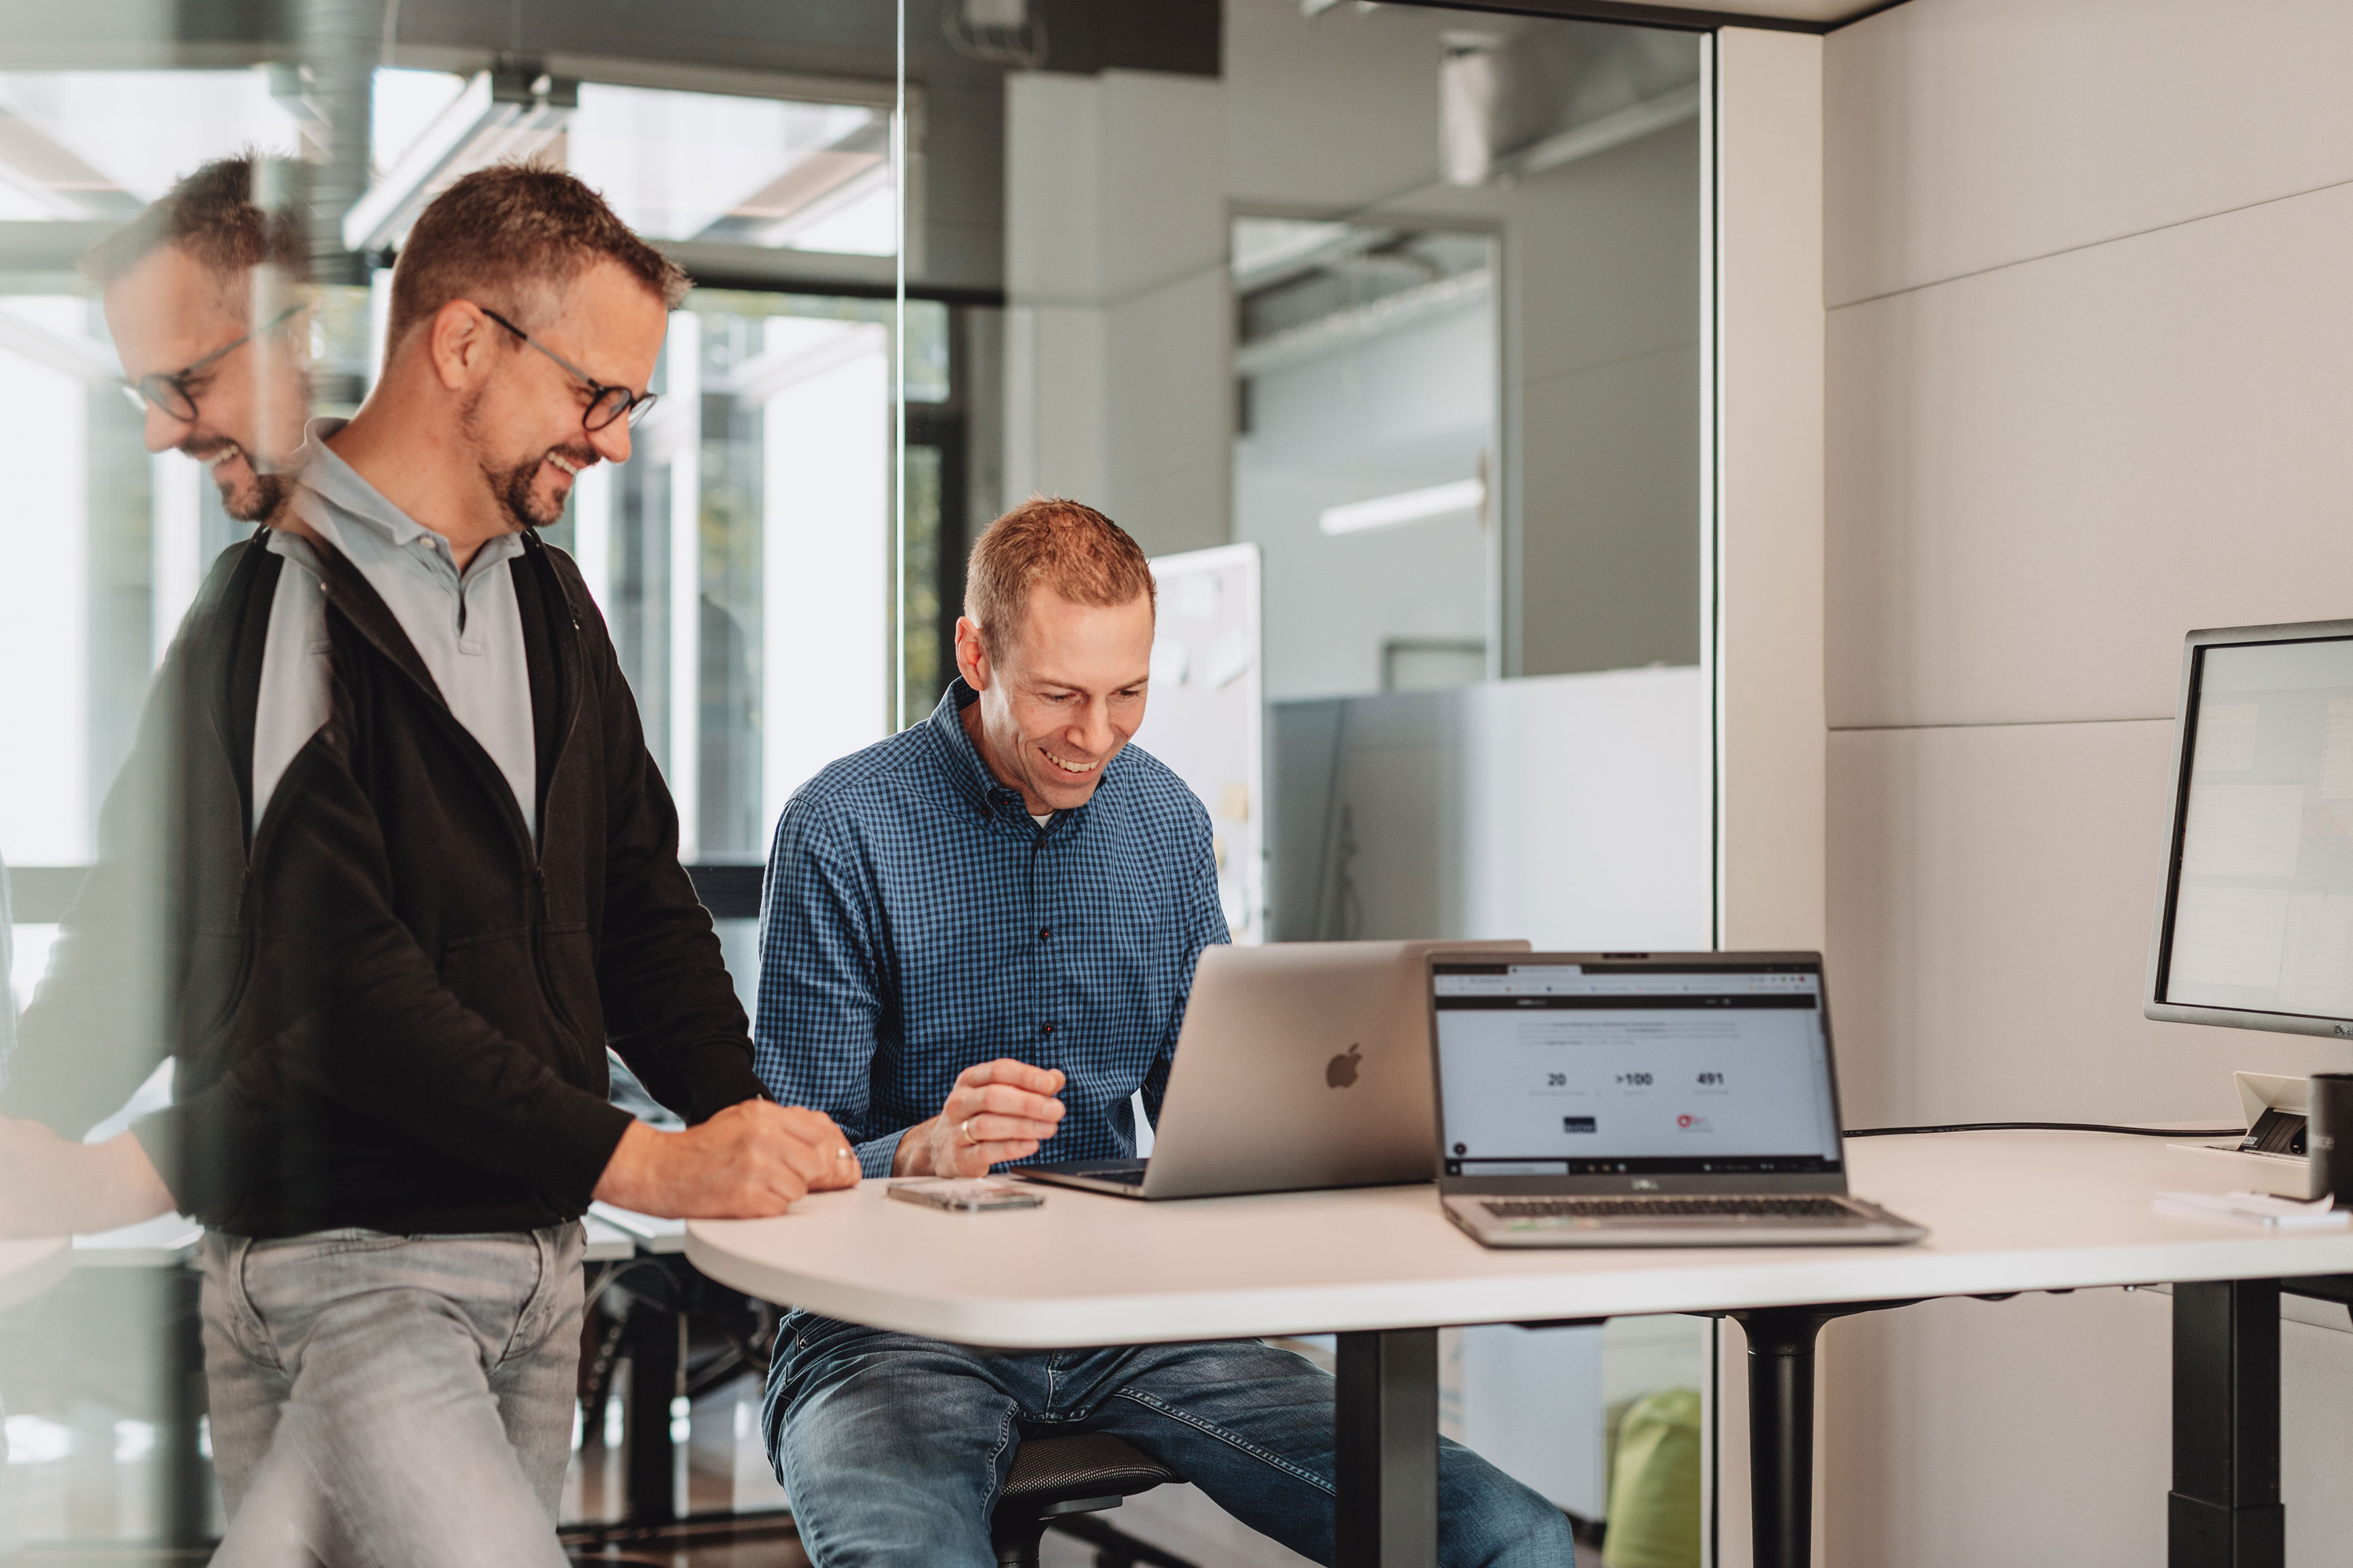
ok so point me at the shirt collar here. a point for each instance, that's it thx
(974, 779)
(351, 499)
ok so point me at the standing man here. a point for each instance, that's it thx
(422, 870)
(980, 936)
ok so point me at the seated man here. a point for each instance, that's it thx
(980, 936)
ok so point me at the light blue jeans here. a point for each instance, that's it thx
(894, 1448)
(392, 1401)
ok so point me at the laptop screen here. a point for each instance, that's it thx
(1575, 1069)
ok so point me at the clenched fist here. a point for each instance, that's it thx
(752, 1160)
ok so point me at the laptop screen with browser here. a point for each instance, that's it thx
(1595, 1068)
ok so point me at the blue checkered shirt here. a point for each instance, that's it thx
(917, 922)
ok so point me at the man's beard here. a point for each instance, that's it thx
(516, 487)
(257, 500)
(253, 502)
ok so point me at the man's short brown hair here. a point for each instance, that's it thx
(1051, 542)
(211, 214)
(512, 231)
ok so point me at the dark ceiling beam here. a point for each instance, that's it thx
(1634, 13)
(1183, 37)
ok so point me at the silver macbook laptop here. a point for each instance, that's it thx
(1300, 1065)
(1642, 1100)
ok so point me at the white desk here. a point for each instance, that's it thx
(165, 1241)
(2007, 1212)
(31, 1266)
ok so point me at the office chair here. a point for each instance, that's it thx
(1086, 1473)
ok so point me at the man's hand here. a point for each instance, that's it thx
(52, 1186)
(997, 1112)
(753, 1159)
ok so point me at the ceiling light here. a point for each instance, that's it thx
(504, 113)
(1406, 506)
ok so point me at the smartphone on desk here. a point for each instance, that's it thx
(967, 1195)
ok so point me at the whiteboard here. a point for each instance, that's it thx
(1203, 715)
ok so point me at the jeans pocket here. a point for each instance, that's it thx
(245, 1325)
(542, 1304)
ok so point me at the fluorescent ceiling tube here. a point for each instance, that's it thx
(500, 115)
(1406, 506)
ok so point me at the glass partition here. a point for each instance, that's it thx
(1379, 326)
(1404, 306)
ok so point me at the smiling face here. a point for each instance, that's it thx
(522, 418)
(1063, 694)
(171, 310)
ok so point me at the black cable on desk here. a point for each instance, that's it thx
(2051, 1127)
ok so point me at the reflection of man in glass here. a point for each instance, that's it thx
(181, 285)
(201, 298)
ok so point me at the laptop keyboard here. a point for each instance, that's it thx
(1652, 1208)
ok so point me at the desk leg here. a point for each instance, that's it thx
(1781, 1426)
(647, 1455)
(2224, 1511)
(1781, 1434)
(1386, 1449)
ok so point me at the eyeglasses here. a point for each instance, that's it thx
(605, 404)
(172, 392)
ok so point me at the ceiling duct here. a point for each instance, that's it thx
(1002, 32)
(1513, 104)
(510, 111)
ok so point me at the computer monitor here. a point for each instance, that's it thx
(2254, 929)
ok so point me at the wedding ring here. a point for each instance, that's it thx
(969, 1138)
(841, 1154)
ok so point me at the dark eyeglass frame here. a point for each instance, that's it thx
(169, 390)
(605, 404)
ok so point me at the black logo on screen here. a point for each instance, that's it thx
(1341, 1071)
(1578, 1124)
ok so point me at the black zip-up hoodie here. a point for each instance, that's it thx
(389, 1005)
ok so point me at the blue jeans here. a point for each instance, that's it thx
(894, 1448)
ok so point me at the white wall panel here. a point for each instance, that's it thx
(1991, 892)
(2033, 1431)
(2085, 392)
(1968, 134)
(2039, 478)
(1617, 225)
(2316, 1442)
(1163, 199)
(1611, 531)
(1169, 416)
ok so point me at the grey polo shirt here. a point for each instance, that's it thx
(466, 624)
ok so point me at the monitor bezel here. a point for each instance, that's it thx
(2153, 1003)
(1830, 1177)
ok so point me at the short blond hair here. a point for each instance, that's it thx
(1053, 543)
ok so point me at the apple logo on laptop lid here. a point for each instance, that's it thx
(1341, 1071)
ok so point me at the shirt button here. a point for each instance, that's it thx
(1045, 933)
(1045, 1028)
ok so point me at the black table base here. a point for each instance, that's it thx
(2225, 1510)
(1387, 1448)
(1781, 1426)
